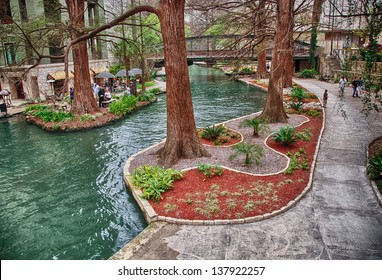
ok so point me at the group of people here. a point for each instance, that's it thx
(356, 84)
(101, 93)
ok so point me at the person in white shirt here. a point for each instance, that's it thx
(342, 84)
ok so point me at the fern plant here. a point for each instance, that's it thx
(374, 167)
(285, 135)
(252, 152)
(260, 126)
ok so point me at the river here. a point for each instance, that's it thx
(62, 196)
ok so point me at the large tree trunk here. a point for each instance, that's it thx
(289, 64)
(274, 110)
(182, 139)
(261, 71)
(84, 102)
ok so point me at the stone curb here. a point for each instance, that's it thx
(151, 216)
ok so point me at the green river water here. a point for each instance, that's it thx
(62, 196)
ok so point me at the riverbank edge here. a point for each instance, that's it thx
(47, 126)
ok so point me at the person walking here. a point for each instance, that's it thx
(354, 85)
(325, 98)
(342, 84)
(128, 90)
(359, 87)
(71, 95)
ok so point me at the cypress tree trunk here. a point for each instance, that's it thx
(84, 102)
(182, 139)
(274, 110)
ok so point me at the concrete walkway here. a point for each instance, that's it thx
(340, 218)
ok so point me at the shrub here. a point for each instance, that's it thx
(296, 106)
(146, 96)
(260, 126)
(374, 167)
(307, 73)
(285, 135)
(155, 180)
(213, 132)
(35, 107)
(155, 90)
(210, 170)
(252, 152)
(147, 84)
(123, 106)
(297, 94)
(48, 115)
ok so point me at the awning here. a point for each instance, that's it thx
(97, 70)
(59, 75)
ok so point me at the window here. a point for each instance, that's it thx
(23, 10)
(10, 53)
(5, 11)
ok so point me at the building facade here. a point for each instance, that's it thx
(21, 71)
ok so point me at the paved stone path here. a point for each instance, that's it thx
(339, 218)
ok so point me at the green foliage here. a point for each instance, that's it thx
(304, 135)
(297, 94)
(155, 180)
(115, 68)
(123, 106)
(285, 135)
(210, 170)
(374, 167)
(155, 90)
(260, 126)
(297, 160)
(147, 84)
(308, 73)
(87, 117)
(213, 132)
(296, 106)
(313, 112)
(146, 96)
(252, 152)
(35, 107)
(47, 114)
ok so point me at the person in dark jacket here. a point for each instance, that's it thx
(101, 96)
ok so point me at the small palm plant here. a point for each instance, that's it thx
(285, 135)
(260, 126)
(213, 132)
(252, 152)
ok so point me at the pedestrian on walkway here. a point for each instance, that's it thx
(359, 87)
(342, 85)
(71, 94)
(325, 98)
(354, 85)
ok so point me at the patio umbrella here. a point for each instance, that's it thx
(105, 75)
(5, 92)
(121, 73)
(135, 71)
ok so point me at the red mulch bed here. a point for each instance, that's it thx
(235, 195)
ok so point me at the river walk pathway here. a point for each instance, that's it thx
(340, 218)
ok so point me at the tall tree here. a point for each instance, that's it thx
(316, 14)
(182, 139)
(261, 71)
(274, 110)
(84, 102)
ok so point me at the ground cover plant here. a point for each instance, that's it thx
(374, 165)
